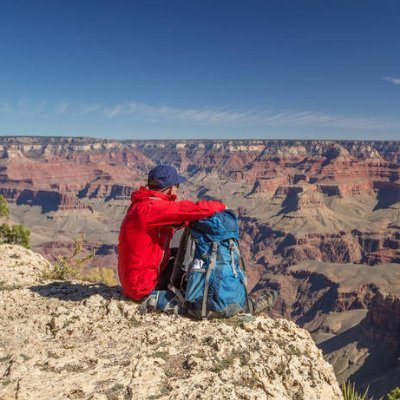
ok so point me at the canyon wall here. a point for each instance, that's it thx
(319, 220)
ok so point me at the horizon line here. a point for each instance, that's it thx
(20, 136)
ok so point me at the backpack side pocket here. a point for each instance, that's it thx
(195, 285)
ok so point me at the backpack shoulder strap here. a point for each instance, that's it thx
(176, 274)
(243, 266)
(180, 256)
(213, 259)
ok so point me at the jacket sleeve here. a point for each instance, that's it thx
(175, 213)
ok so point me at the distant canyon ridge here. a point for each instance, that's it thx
(320, 221)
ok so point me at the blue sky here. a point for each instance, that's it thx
(150, 69)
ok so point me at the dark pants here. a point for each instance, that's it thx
(161, 298)
(165, 276)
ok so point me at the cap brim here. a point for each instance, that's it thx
(181, 179)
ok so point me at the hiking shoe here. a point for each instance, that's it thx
(148, 304)
(162, 301)
(263, 303)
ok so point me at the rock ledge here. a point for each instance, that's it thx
(75, 340)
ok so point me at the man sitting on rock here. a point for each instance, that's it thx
(144, 252)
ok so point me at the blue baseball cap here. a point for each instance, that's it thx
(164, 176)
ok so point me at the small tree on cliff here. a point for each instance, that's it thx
(69, 267)
(4, 211)
(76, 266)
(12, 234)
(15, 234)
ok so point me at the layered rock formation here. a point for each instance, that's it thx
(307, 209)
(73, 340)
(338, 199)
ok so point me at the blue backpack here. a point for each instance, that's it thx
(214, 283)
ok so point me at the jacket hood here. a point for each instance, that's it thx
(144, 193)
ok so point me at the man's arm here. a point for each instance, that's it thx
(175, 213)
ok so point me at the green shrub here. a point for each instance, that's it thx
(15, 234)
(60, 270)
(350, 393)
(394, 394)
(4, 211)
(69, 267)
(12, 234)
(75, 267)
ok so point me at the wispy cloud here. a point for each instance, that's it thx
(248, 117)
(5, 108)
(62, 108)
(89, 108)
(203, 116)
(44, 108)
(391, 79)
(24, 107)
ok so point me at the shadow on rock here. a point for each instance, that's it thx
(379, 361)
(387, 198)
(71, 291)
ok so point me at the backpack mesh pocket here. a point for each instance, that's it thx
(195, 285)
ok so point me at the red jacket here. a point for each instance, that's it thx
(145, 235)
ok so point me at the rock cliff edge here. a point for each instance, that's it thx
(75, 340)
